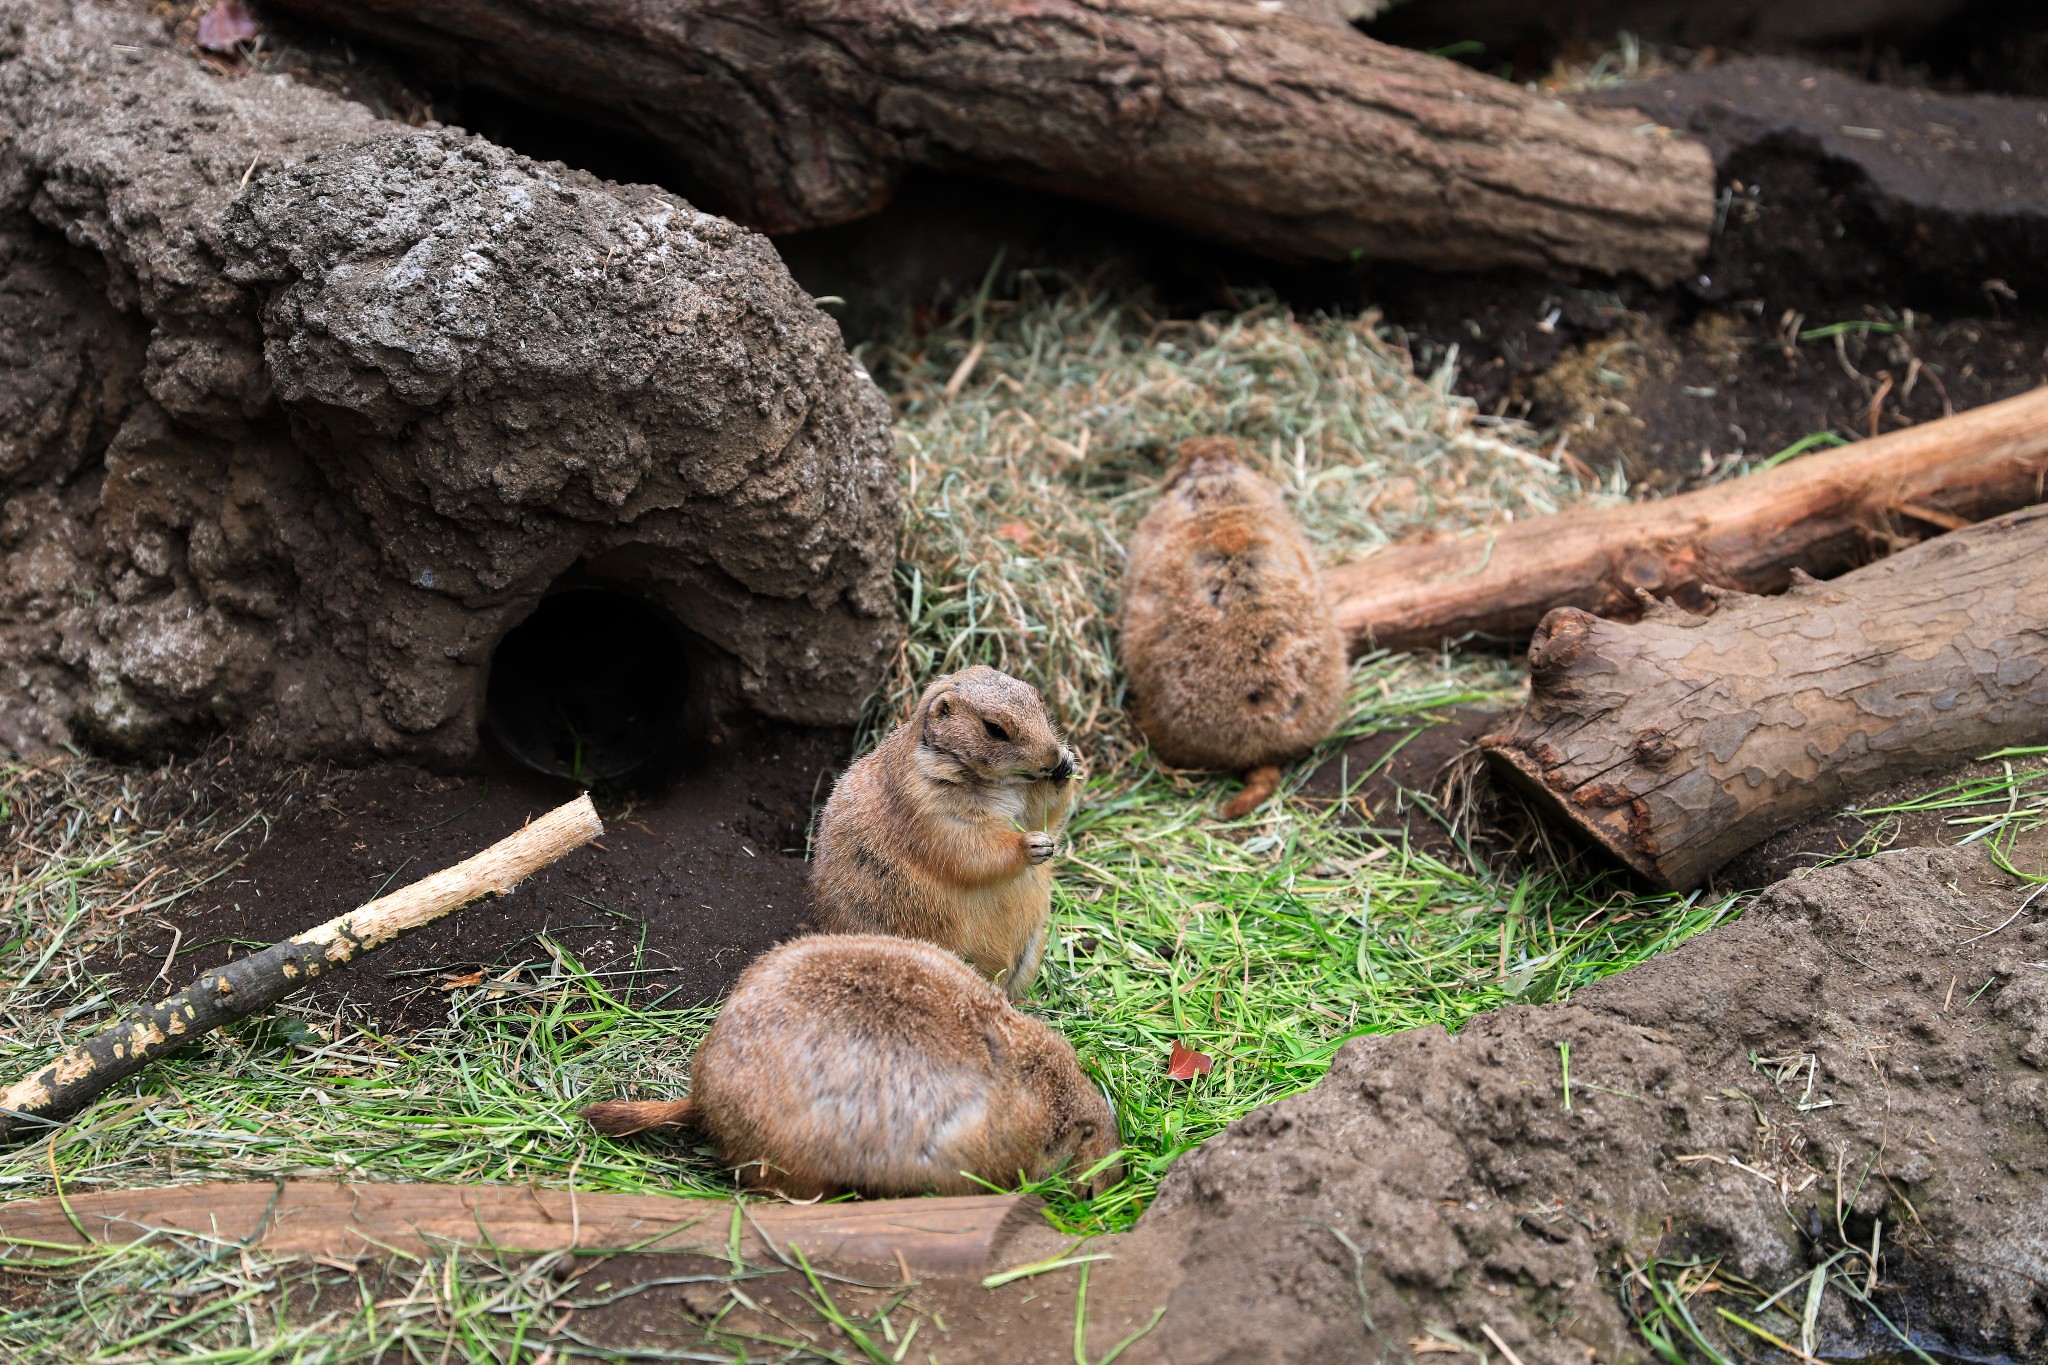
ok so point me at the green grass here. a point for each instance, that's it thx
(1996, 807)
(1265, 943)
(1267, 946)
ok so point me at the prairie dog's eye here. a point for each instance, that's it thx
(996, 731)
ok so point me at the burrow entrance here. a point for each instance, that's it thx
(594, 686)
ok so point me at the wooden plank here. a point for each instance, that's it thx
(346, 1221)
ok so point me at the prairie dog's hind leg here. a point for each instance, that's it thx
(1025, 969)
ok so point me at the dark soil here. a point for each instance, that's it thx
(1401, 778)
(687, 886)
(1915, 245)
(1844, 832)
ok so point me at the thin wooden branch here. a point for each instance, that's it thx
(1821, 514)
(330, 1221)
(246, 985)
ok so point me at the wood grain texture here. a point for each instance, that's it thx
(1679, 741)
(1268, 131)
(1822, 514)
(333, 1221)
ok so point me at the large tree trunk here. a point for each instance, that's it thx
(1820, 514)
(1264, 130)
(1677, 742)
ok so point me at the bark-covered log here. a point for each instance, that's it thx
(1677, 742)
(260, 980)
(1820, 515)
(1265, 130)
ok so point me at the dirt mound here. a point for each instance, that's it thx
(1940, 193)
(1865, 1045)
(360, 396)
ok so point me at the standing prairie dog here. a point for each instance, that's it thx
(883, 1066)
(1234, 656)
(943, 831)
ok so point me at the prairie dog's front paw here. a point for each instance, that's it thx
(1039, 846)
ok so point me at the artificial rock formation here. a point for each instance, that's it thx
(302, 410)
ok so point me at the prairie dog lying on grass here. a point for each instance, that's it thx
(943, 831)
(1234, 656)
(885, 1066)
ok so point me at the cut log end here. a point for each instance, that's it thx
(1528, 776)
(1677, 742)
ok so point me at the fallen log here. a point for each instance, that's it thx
(1268, 131)
(329, 1221)
(1820, 514)
(1679, 741)
(61, 1088)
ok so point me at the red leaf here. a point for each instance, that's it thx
(1015, 531)
(1184, 1064)
(225, 27)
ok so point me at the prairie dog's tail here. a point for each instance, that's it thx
(617, 1118)
(1259, 783)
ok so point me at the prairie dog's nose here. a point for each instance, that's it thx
(1062, 770)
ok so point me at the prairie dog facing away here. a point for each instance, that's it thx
(943, 831)
(1234, 655)
(883, 1066)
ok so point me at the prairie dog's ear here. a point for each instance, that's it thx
(933, 702)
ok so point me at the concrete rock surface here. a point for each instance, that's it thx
(301, 411)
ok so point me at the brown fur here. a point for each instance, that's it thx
(1234, 656)
(944, 831)
(882, 1066)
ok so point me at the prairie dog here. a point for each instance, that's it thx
(883, 1066)
(1234, 656)
(943, 831)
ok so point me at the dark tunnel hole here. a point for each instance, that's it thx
(594, 686)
